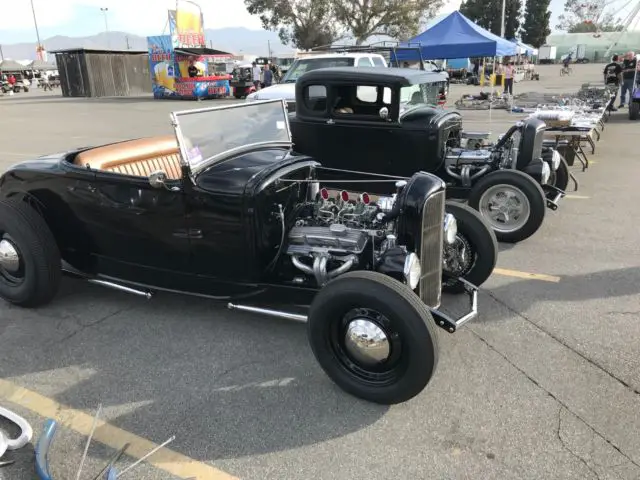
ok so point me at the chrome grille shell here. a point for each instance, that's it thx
(431, 249)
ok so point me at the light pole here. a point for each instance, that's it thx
(502, 26)
(104, 11)
(35, 22)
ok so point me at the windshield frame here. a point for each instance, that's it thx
(195, 169)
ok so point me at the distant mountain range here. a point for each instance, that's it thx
(237, 40)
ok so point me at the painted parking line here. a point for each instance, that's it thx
(114, 437)
(527, 275)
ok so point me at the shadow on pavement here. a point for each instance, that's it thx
(226, 384)
(572, 288)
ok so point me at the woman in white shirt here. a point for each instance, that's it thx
(508, 70)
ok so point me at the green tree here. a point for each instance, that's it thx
(587, 16)
(488, 14)
(398, 19)
(535, 28)
(590, 27)
(303, 23)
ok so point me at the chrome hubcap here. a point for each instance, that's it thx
(505, 207)
(9, 257)
(366, 342)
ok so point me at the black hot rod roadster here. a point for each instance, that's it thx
(384, 121)
(234, 214)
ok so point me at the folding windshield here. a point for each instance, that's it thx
(421, 94)
(208, 135)
(303, 65)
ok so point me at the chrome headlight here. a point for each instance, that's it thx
(546, 173)
(412, 270)
(252, 97)
(555, 160)
(450, 228)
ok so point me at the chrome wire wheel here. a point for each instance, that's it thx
(459, 259)
(505, 207)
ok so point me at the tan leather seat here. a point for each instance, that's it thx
(138, 157)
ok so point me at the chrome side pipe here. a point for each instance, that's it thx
(122, 288)
(269, 312)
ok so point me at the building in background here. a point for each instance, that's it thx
(595, 46)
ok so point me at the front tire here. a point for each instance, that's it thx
(474, 254)
(512, 202)
(30, 265)
(373, 337)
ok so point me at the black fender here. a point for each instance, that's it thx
(535, 169)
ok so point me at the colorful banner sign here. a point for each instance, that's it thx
(186, 25)
(170, 73)
(162, 66)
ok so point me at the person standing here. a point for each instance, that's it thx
(255, 72)
(268, 76)
(508, 71)
(628, 74)
(613, 76)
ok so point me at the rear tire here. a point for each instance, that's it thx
(368, 368)
(509, 185)
(634, 110)
(475, 253)
(30, 265)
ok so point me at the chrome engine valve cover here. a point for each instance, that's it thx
(461, 156)
(305, 240)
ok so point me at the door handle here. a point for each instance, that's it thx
(188, 233)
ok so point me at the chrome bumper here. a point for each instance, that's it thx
(451, 324)
(554, 195)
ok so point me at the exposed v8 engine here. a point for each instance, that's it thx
(339, 231)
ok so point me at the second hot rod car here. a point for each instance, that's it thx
(385, 121)
(225, 209)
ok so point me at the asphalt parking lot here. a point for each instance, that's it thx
(544, 385)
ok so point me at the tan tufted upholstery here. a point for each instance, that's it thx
(139, 157)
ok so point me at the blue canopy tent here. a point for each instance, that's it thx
(454, 36)
(524, 48)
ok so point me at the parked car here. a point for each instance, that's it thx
(22, 84)
(229, 211)
(286, 90)
(241, 81)
(384, 121)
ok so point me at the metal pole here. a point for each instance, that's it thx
(1, 54)
(104, 10)
(35, 22)
(502, 26)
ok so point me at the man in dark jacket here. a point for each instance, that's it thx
(613, 76)
(628, 74)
